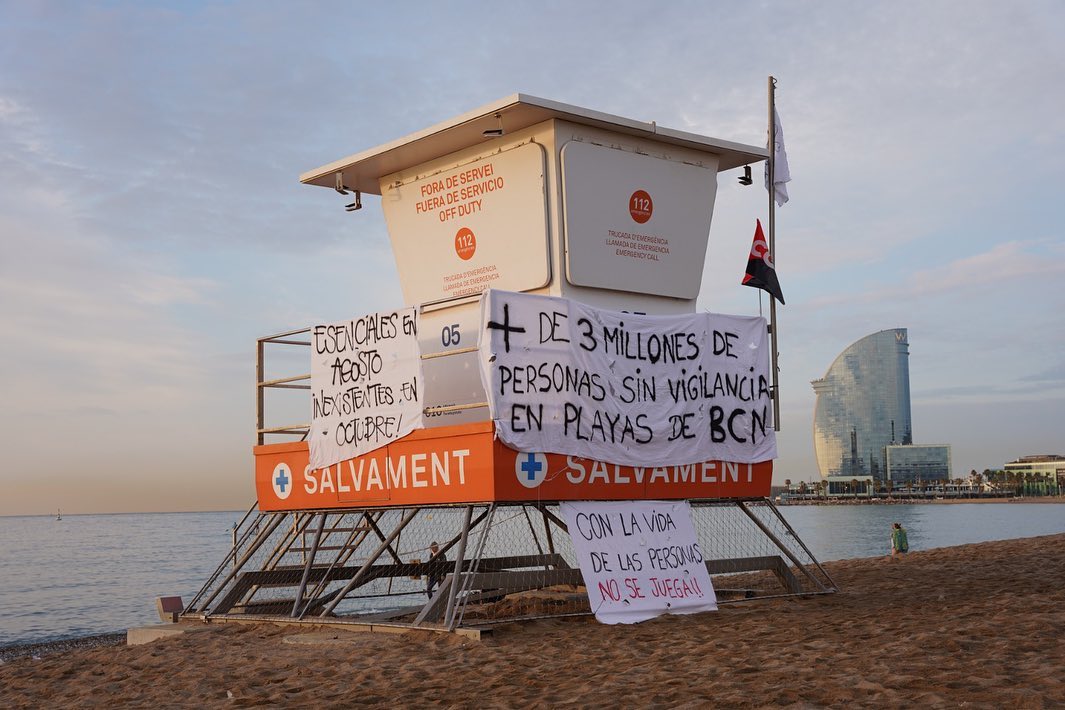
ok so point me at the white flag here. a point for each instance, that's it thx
(781, 173)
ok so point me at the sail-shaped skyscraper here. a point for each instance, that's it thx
(863, 406)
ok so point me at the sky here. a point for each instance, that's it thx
(153, 225)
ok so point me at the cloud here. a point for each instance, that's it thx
(1002, 265)
(94, 329)
(991, 391)
(1005, 262)
(1054, 374)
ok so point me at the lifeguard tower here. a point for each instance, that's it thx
(524, 195)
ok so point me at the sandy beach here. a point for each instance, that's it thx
(975, 626)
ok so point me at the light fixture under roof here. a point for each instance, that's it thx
(495, 132)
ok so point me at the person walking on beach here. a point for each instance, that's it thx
(899, 543)
(436, 572)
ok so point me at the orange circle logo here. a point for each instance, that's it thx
(465, 243)
(641, 206)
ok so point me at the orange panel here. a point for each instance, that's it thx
(428, 467)
(524, 476)
(464, 464)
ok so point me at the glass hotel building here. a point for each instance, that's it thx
(919, 463)
(863, 406)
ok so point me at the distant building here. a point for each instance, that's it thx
(849, 486)
(918, 463)
(863, 406)
(1042, 474)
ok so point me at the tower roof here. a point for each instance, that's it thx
(362, 171)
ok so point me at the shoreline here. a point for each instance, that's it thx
(1020, 500)
(40, 649)
(976, 625)
(61, 641)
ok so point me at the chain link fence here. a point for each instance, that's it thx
(752, 552)
(469, 565)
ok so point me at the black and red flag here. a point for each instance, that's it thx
(760, 270)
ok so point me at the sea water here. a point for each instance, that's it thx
(841, 532)
(93, 574)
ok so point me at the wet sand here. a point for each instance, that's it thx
(975, 626)
(48, 648)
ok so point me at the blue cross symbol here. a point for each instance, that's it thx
(530, 466)
(281, 480)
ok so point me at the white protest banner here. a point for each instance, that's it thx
(635, 390)
(639, 559)
(366, 377)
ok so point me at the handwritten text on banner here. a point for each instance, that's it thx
(366, 379)
(639, 559)
(635, 390)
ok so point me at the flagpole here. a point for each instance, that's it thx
(774, 374)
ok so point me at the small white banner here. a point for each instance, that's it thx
(639, 559)
(366, 380)
(629, 389)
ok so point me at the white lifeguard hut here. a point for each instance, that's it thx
(528, 195)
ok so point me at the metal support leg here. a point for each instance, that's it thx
(308, 565)
(349, 547)
(780, 545)
(385, 544)
(264, 535)
(446, 547)
(554, 519)
(532, 531)
(381, 536)
(464, 580)
(794, 535)
(299, 527)
(460, 556)
(247, 533)
(547, 532)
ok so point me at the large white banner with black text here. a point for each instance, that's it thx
(366, 379)
(630, 389)
(639, 559)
